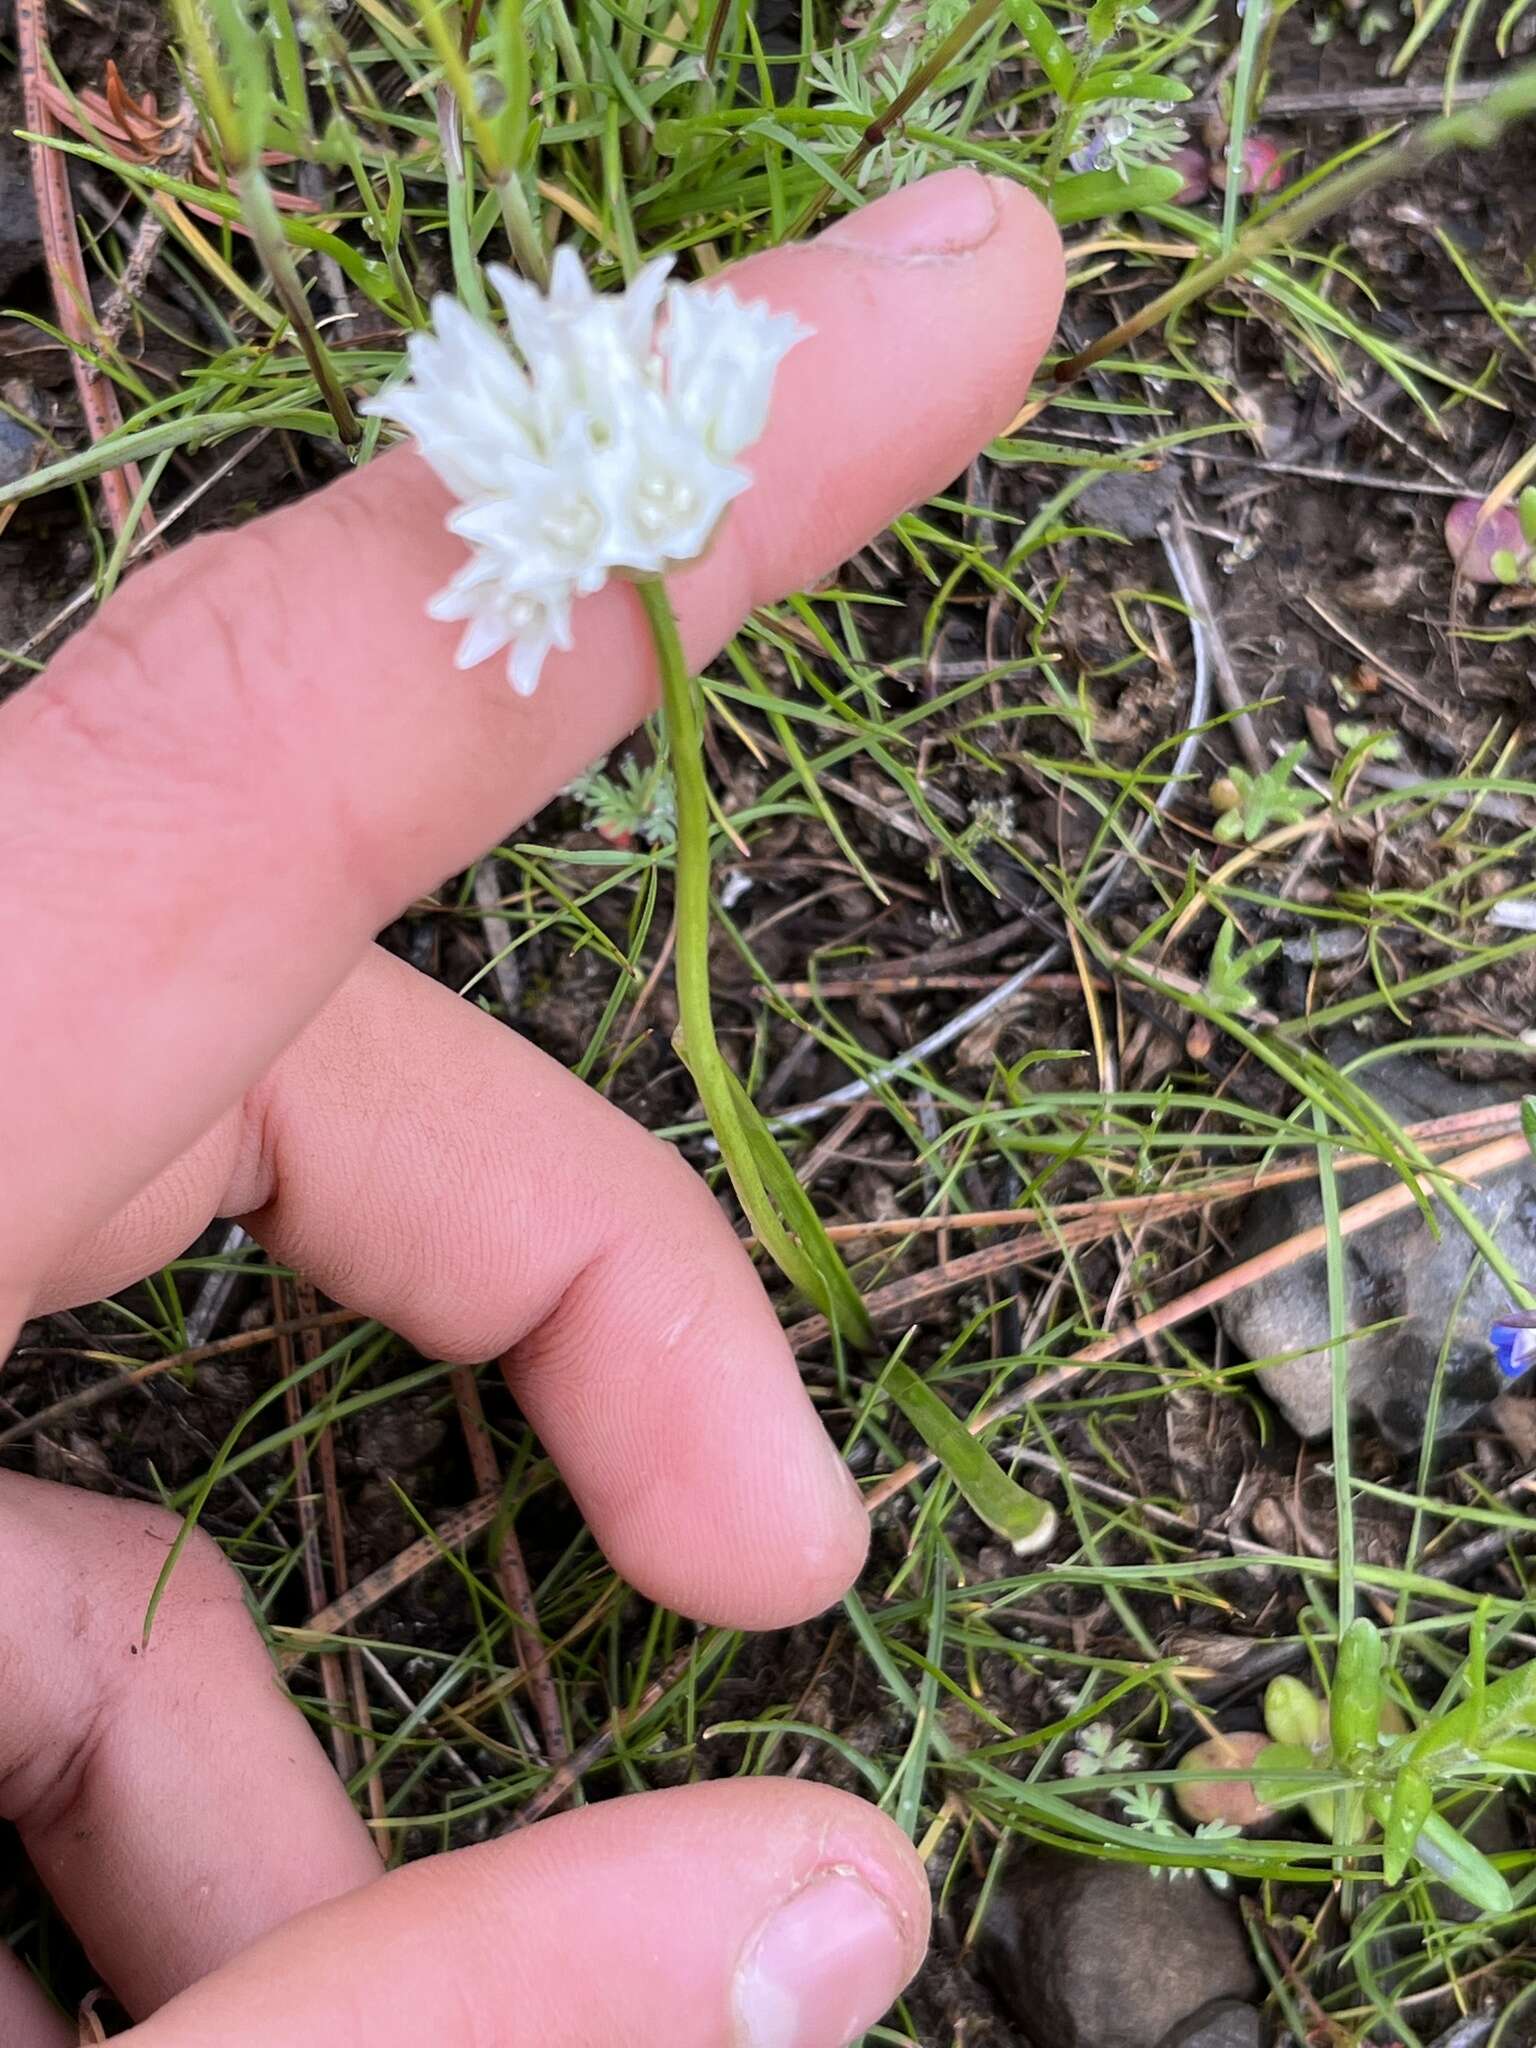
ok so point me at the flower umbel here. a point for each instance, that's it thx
(592, 445)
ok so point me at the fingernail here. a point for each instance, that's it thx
(942, 216)
(822, 1969)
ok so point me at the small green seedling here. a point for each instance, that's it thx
(1226, 975)
(1394, 1776)
(1272, 798)
(637, 804)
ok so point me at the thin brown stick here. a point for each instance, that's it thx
(638, 1007)
(459, 1527)
(1436, 1134)
(1360, 102)
(503, 966)
(510, 1570)
(899, 1298)
(66, 268)
(332, 1681)
(221, 1347)
(571, 1773)
(120, 308)
(843, 985)
(336, 1529)
(1467, 1166)
(1082, 1223)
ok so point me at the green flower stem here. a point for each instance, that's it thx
(775, 1204)
(803, 1252)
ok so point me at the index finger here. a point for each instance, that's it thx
(260, 751)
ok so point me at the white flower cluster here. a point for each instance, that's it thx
(599, 446)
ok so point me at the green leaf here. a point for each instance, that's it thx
(1293, 1713)
(1514, 1753)
(1155, 86)
(1528, 1119)
(1060, 456)
(836, 1295)
(1089, 195)
(1028, 1524)
(1045, 45)
(245, 68)
(1490, 1715)
(1285, 1773)
(510, 55)
(1451, 1857)
(1354, 1703)
(1407, 1813)
(1226, 978)
(1504, 565)
(1272, 798)
(1526, 506)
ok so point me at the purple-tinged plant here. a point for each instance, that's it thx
(1497, 548)
(1264, 168)
(1194, 166)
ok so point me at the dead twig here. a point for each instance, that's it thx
(119, 309)
(835, 987)
(222, 1347)
(332, 1680)
(970, 1015)
(1075, 1225)
(1433, 1135)
(569, 1776)
(1360, 102)
(459, 1527)
(317, 1383)
(502, 962)
(1467, 1166)
(66, 268)
(1187, 561)
(510, 1571)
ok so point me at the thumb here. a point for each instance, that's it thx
(746, 1914)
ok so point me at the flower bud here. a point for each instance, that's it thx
(1294, 1714)
(1194, 166)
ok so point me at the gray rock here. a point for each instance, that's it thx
(1129, 501)
(1396, 1270)
(1228, 2023)
(20, 449)
(1104, 1955)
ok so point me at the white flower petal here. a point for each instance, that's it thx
(586, 448)
(485, 635)
(721, 359)
(640, 304)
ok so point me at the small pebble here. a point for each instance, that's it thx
(1333, 942)
(21, 450)
(1230, 1799)
(1226, 2023)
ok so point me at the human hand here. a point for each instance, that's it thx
(254, 758)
